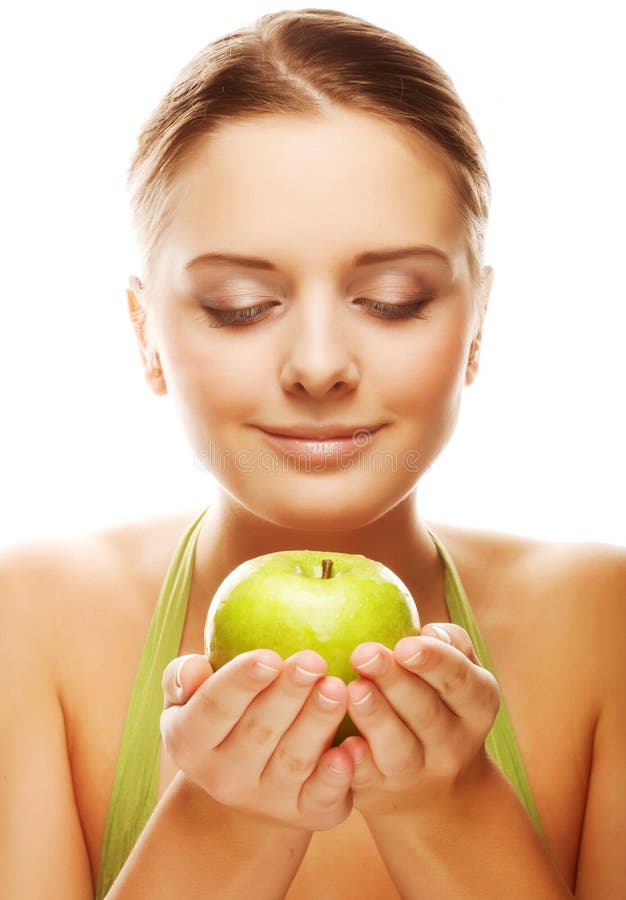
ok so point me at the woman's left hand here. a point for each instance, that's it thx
(423, 719)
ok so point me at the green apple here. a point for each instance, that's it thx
(309, 600)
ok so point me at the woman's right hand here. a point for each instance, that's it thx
(258, 737)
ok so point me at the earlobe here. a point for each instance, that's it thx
(133, 305)
(150, 358)
(138, 318)
(156, 381)
(472, 361)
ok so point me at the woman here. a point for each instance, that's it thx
(314, 187)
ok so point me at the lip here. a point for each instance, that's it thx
(322, 450)
(320, 433)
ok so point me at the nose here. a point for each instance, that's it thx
(319, 359)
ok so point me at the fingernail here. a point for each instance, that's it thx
(411, 660)
(371, 663)
(362, 699)
(177, 690)
(326, 703)
(263, 671)
(179, 670)
(441, 633)
(304, 676)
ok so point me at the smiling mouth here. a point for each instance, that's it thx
(329, 433)
(316, 449)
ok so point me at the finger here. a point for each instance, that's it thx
(220, 701)
(255, 736)
(466, 688)
(365, 775)
(183, 676)
(310, 734)
(454, 635)
(412, 699)
(395, 748)
(329, 785)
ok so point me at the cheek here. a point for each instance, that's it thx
(211, 376)
(427, 375)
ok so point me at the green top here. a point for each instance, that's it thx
(134, 794)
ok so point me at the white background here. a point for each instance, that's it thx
(540, 444)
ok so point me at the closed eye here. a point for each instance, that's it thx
(249, 314)
(243, 316)
(412, 310)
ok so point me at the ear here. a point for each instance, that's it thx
(471, 370)
(139, 316)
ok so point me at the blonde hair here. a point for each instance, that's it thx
(302, 61)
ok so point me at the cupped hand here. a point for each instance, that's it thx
(423, 711)
(256, 735)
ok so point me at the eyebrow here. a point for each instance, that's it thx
(363, 259)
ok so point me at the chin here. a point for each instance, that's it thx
(311, 509)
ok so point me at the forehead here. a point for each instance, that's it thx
(312, 190)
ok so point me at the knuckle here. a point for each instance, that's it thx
(173, 735)
(402, 765)
(319, 796)
(493, 685)
(487, 702)
(491, 695)
(257, 730)
(369, 779)
(457, 680)
(322, 802)
(490, 688)
(206, 699)
(294, 763)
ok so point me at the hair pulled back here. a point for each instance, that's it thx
(305, 61)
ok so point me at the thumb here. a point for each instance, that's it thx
(183, 676)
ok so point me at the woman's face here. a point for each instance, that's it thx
(309, 196)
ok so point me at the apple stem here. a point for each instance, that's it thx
(327, 565)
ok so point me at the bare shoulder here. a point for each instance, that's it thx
(128, 547)
(573, 568)
(143, 547)
(57, 591)
(569, 595)
(74, 613)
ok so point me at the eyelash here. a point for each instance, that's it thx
(247, 314)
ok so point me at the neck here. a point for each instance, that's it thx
(230, 534)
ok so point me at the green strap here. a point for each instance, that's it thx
(135, 787)
(501, 743)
